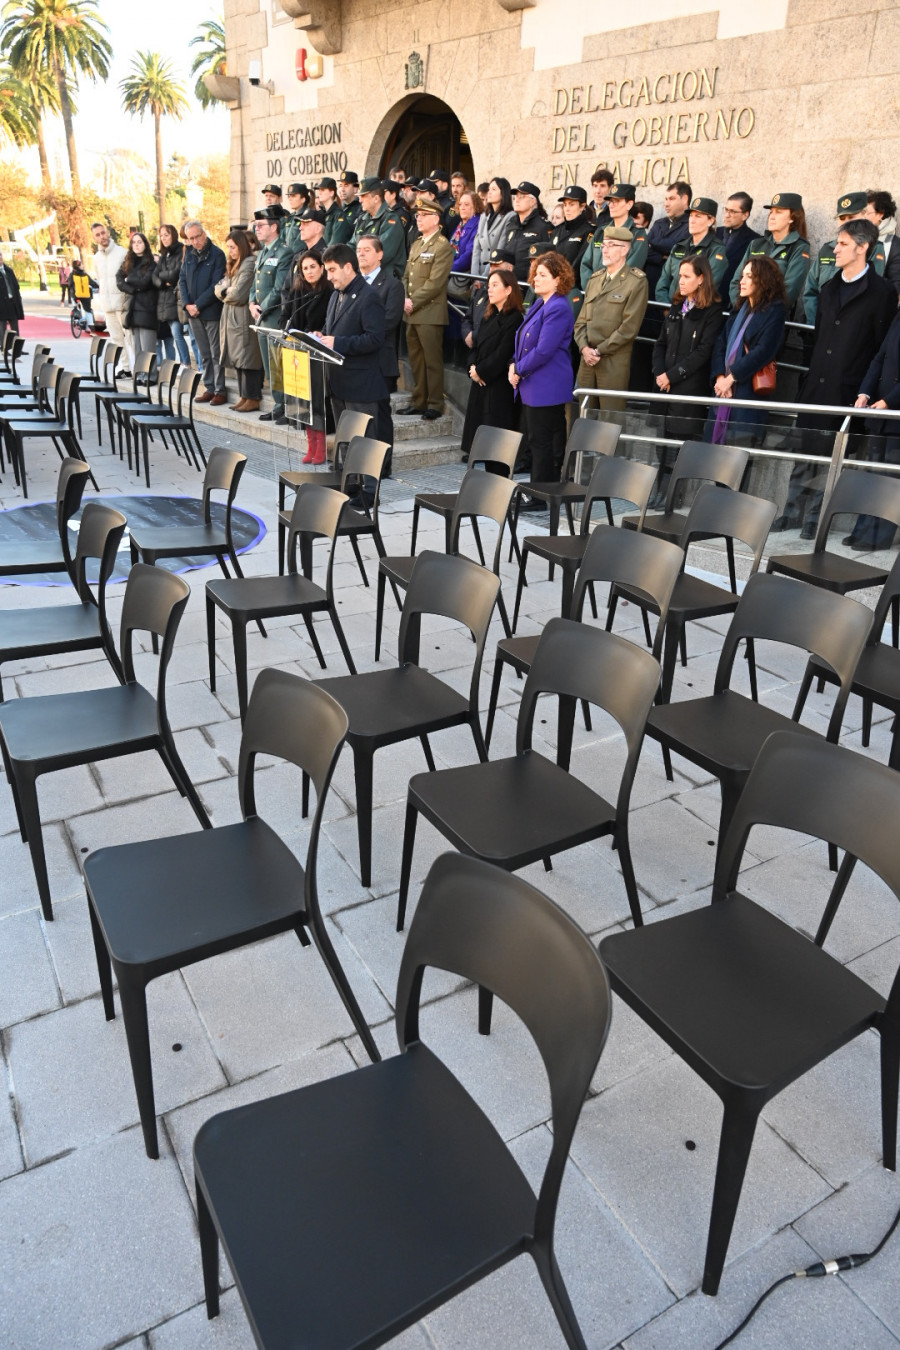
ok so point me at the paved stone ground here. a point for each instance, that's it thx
(98, 1245)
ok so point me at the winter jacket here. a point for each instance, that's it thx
(464, 246)
(165, 279)
(685, 346)
(492, 230)
(108, 261)
(140, 310)
(305, 310)
(238, 346)
(199, 274)
(10, 295)
(542, 359)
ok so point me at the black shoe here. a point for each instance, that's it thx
(123, 374)
(410, 411)
(809, 529)
(861, 547)
(521, 467)
(785, 522)
(532, 504)
(281, 420)
(432, 414)
(271, 416)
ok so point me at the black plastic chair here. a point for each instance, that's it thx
(150, 543)
(365, 459)
(401, 1177)
(747, 1001)
(612, 480)
(103, 370)
(56, 731)
(515, 811)
(408, 702)
(143, 372)
(60, 430)
(718, 513)
(350, 424)
(855, 494)
(13, 347)
(39, 402)
(724, 732)
(696, 461)
(481, 496)
(493, 447)
(19, 557)
(9, 384)
(180, 424)
(587, 437)
(48, 629)
(316, 515)
(156, 400)
(614, 556)
(164, 904)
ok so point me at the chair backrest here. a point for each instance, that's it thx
(454, 588)
(316, 514)
(39, 355)
(224, 469)
(111, 354)
(485, 495)
(68, 394)
(365, 459)
(629, 558)
(143, 369)
(349, 424)
(14, 351)
(185, 391)
(154, 602)
(496, 446)
(100, 533)
(780, 609)
(579, 662)
(723, 464)
(618, 479)
(493, 928)
(859, 494)
(889, 592)
(166, 377)
(97, 346)
(726, 514)
(70, 485)
(297, 721)
(589, 437)
(49, 377)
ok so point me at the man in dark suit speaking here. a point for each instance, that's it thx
(354, 328)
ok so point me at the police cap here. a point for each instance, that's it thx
(371, 185)
(852, 203)
(440, 174)
(502, 257)
(297, 190)
(272, 187)
(621, 192)
(326, 183)
(348, 176)
(274, 212)
(319, 217)
(706, 205)
(786, 201)
(574, 193)
(531, 188)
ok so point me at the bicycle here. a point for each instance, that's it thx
(79, 320)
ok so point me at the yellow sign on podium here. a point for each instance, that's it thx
(295, 371)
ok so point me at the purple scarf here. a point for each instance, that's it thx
(723, 415)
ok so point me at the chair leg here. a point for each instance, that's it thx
(667, 763)
(282, 538)
(735, 1142)
(133, 997)
(480, 747)
(495, 694)
(623, 847)
(379, 612)
(750, 653)
(409, 842)
(342, 985)
(104, 965)
(209, 1255)
(359, 562)
(314, 641)
(342, 639)
(841, 882)
(31, 819)
(729, 549)
(890, 1085)
(565, 731)
(558, 1295)
(866, 721)
(670, 658)
(211, 640)
(415, 529)
(179, 775)
(519, 584)
(803, 693)
(426, 749)
(477, 541)
(11, 779)
(504, 617)
(485, 1010)
(362, 769)
(239, 644)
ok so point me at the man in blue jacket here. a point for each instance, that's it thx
(203, 266)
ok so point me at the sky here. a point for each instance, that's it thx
(166, 26)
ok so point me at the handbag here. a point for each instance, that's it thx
(765, 377)
(458, 288)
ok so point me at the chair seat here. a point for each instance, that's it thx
(692, 598)
(519, 651)
(31, 555)
(398, 569)
(295, 478)
(62, 727)
(511, 811)
(356, 522)
(402, 1148)
(31, 631)
(721, 957)
(828, 570)
(442, 502)
(180, 541)
(723, 731)
(568, 491)
(666, 525)
(191, 895)
(40, 426)
(565, 549)
(260, 597)
(388, 705)
(154, 423)
(877, 674)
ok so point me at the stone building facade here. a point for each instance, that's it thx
(796, 95)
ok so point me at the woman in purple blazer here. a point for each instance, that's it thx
(541, 371)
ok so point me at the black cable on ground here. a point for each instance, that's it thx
(816, 1271)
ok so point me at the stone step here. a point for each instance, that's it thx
(419, 428)
(426, 451)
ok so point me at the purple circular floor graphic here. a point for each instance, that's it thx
(35, 521)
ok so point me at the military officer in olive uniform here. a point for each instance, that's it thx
(375, 217)
(615, 301)
(621, 200)
(350, 209)
(851, 206)
(576, 233)
(784, 243)
(273, 263)
(702, 238)
(425, 310)
(298, 203)
(327, 201)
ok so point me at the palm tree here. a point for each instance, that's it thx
(153, 88)
(210, 60)
(18, 123)
(64, 39)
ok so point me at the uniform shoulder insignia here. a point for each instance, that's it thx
(636, 271)
(391, 220)
(589, 238)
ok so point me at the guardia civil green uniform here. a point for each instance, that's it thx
(331, 217)
(710, 247)
(346, 222)
(386, 224)
(592, 259)
(792, 254)
(825, 263)
(273, 264)
(610, 317)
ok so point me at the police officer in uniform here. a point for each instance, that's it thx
(851, 206)
(327, 202)
(574, 235)
(615, 301)
(450, 214)
(376, 218)
(528, 231)
(702, 238)
(273, 263)
(621, 200)
(272, 194)
(395, 203)
(784, 244)
(298, 204)
(425, 278)
(350, 208)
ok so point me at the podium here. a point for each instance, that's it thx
(297, 363)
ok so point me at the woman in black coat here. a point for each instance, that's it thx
(682, 355)
(880, 388)
(135, 278)
(11, 310)
(304, 305)
(492, 400)
(165, 279)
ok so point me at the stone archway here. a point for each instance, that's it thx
(421, 133)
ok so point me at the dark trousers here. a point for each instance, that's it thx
(249, 383)
(384, 424)
(545, 431)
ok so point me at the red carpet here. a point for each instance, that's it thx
(45, 327)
